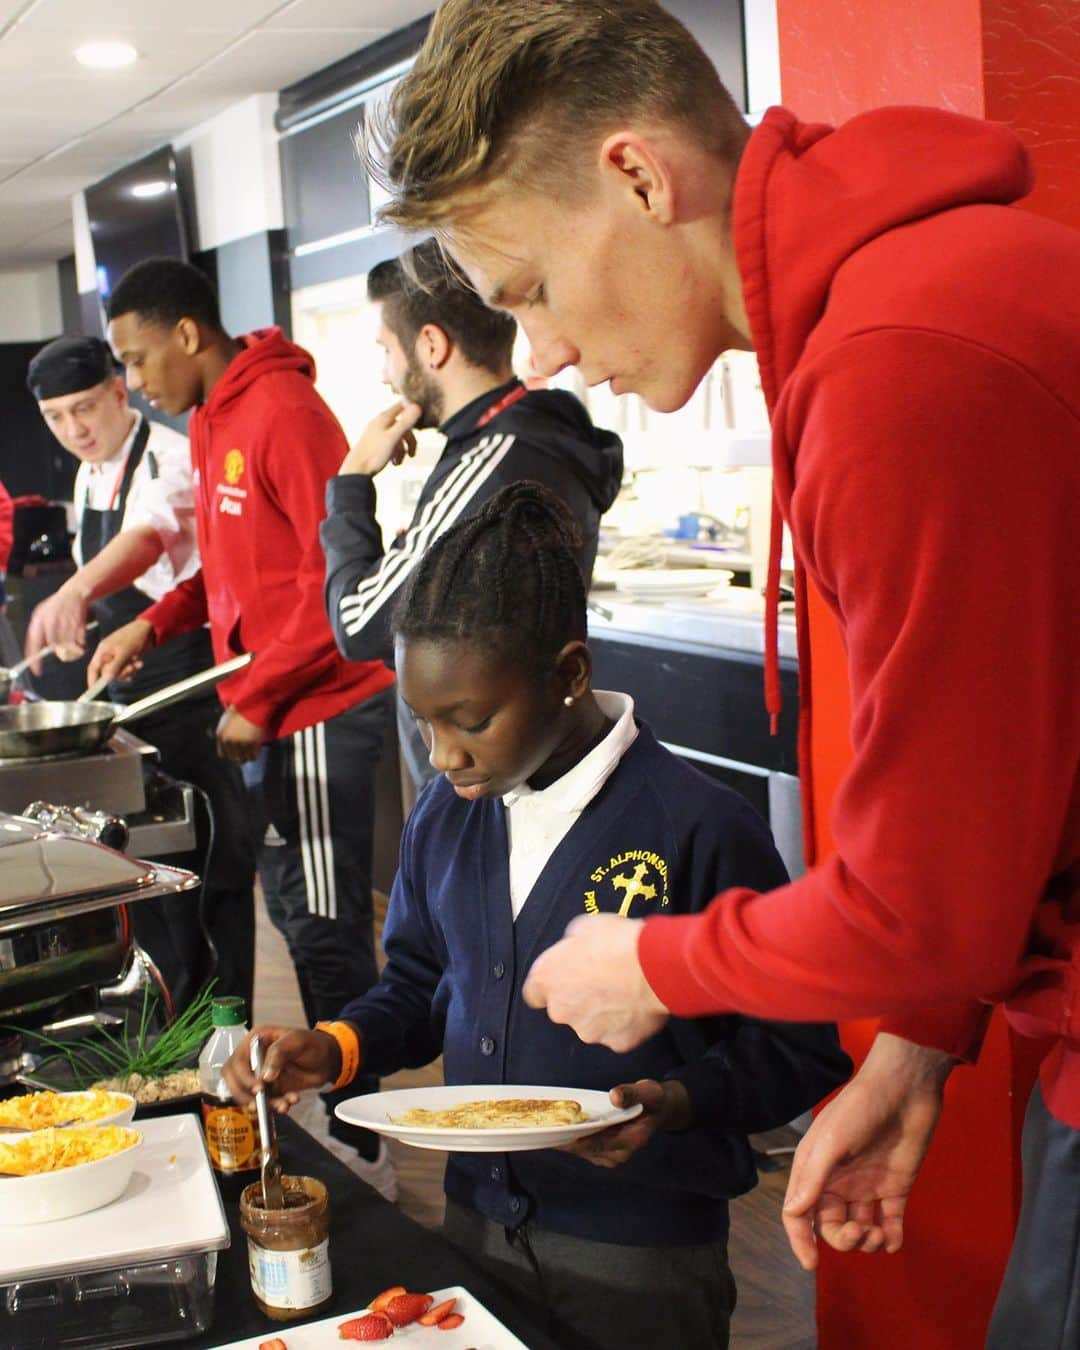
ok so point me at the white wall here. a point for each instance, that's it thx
(237, 173)
(30, 304)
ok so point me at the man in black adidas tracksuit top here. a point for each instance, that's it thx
(449, 355)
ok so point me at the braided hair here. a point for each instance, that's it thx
(506, 580)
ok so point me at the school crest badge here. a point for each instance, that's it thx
(633, 884)
(234, 467)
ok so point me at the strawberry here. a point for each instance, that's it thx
(370, 1327)
(379, 1304)
(276, 1344)
(451, 1321)
(405, 1308)
(436, 1314)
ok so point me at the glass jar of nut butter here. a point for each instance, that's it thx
(289, 1249)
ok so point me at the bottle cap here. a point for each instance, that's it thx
(228, 1012)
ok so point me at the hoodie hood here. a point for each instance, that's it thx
(266, 352)
(556, 423)
(807, 197)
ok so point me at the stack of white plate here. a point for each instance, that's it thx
(670, 583)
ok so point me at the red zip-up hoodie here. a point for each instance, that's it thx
(919, 348)
(263, 446)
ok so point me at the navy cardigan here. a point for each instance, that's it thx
(658, 838)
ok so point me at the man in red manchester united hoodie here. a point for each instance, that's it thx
(919, 343)
(306, 724)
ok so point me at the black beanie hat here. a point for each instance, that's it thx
(69, 365)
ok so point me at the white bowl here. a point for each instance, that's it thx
(48, 1196)
(123, 1116)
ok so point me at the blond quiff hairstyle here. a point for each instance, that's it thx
(506, 90)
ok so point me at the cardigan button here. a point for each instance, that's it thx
(496, 1172)
(487, 1045)
(515, 1204)
(498, 970)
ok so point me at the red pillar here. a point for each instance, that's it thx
(1018, 62)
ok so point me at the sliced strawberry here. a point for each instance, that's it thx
(405, 1308)
(436, 1314)
(370, 1327)
(276, 1344)
(451, 1321)
(379, 1304)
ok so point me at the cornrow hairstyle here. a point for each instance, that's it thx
(164, 291)
(422, 287)
(506, 580)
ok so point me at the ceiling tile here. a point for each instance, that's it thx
(111, 17)
(376, 15)
(265, 61)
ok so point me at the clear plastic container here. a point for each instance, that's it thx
(139, 1271)
(152, 1303)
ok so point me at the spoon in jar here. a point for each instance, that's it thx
(272, 1194)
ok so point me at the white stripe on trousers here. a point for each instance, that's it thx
(313, 805)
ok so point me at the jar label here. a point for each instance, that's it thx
(290, 1279)
(231, 1138)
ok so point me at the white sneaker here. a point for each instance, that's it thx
(381, 1174)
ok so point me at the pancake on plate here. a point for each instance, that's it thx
(506, 1114)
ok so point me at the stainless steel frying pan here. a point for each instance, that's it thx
(61, 727)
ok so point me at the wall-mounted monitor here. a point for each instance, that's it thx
(136, 213)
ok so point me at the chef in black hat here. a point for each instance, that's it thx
(135, 541)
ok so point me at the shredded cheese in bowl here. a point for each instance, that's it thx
(53, 1150)
(40, 1110)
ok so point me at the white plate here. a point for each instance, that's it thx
(170, 1207)
(373, 1112)
(661, 583)
(481, 1330)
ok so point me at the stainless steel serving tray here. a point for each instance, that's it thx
(47, 875)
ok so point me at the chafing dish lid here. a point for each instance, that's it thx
(41, 865)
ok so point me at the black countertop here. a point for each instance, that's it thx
(372, 1246)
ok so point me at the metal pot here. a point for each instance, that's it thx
(67, 727)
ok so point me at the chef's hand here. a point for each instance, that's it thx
(592, 982)
(665, 1106)
(238, 739)
(118, 654)
(387, 438)
(60, 623)
(293, 1060)
(856, 1164)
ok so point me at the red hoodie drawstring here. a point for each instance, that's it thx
(774, 701)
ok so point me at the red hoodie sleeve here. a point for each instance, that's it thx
(922, 461)
(305, 448)
(7, 527)
(181, 611)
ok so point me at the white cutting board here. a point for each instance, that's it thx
(481, 1330)
(171, 1207)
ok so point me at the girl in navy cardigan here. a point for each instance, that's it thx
(555, 802)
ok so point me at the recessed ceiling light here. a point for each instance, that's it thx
(157, 188)
(105, 55)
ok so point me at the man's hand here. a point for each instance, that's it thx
(592, 982)
(60, 623)
(855, 1166)
(118, 654)
(387, 438)
(292, 1061)
(238, 739)
(666, 1106)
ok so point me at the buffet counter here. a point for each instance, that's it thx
(734, 622)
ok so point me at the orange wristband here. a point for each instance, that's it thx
(349, 1045)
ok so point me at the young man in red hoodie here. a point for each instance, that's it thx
(918, 347)
(306, 724)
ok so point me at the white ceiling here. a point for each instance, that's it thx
(63, 127)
